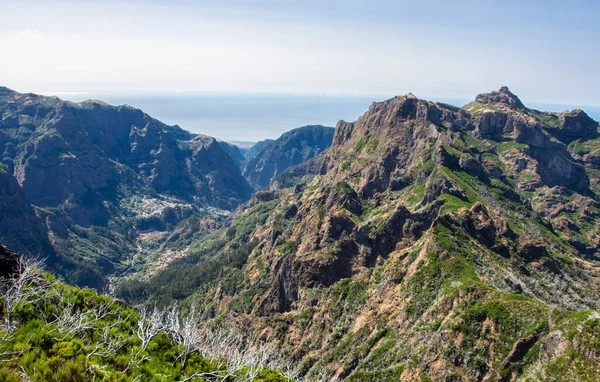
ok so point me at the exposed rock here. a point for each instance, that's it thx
(440, 186)
(479, 223)
(503, 96)
(394, 247)
(9, 262)
(531, 250)
(520, 349)
(592, 160)
(20, 227)
(574, 125)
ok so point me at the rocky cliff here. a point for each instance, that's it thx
(20, 227)
(9, 263)
(429, 242)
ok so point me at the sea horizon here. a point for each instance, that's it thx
(252, 117)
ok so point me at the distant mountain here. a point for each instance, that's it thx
(236, 152)
(292, 148)
(243, 145)
(253, 151)
(96, 174)
(428, 242)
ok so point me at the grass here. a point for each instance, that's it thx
(289, 247)
(505, 146)
(367, 142)
(548, 120)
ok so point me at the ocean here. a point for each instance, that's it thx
(253, 117)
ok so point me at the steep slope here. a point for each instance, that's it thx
(50, 331)
(259, 146)
(9, 263)
(20, 227)
(97, 175)
(236, 152)
(292, 148)
(429, 242)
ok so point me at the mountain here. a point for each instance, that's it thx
(236, 152)
(259, 146)
(243, 145)
(429, 242)
(292, 148)
(93, 179)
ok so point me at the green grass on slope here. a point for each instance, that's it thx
(52, 332)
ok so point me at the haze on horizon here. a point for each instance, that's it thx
(546, 51)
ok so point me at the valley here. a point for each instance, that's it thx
(423, 241)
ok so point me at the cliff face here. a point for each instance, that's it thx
(93, 171)
(428, 242)
(20, 227)
(292, 148)
(9, 263)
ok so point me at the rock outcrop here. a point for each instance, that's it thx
(9, 263)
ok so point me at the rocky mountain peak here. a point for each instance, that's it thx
(421, 221)
(574, 125)
(503, 96)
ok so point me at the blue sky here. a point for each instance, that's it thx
(546, 51)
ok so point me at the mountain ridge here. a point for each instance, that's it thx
(428, 242)
(291, 148)
(108, 169)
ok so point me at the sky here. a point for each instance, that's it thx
(545, 51)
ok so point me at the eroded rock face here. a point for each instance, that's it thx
(427, 242)
(575, 124)
(501, 116)
(9, 263)
(503, 96)
(532, 250)
(20, 227)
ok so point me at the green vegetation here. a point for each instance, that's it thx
(367, 142)
(417, 282)
(344, 186)
(205, 260)
(289, 247)
(320, 215)
(505, 146)
(53, 332)
(550, 120)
